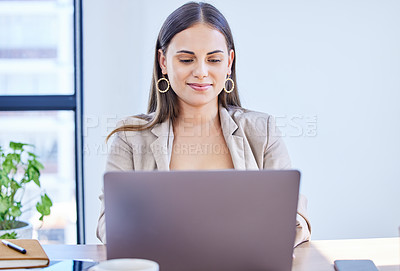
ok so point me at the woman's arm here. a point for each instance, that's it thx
(120, 158)
(303, 226)
(276, 156)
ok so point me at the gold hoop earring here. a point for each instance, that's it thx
(158, 82)
(233, 85)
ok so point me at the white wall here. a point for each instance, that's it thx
(329, 71)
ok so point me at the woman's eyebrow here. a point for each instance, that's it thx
(192, 53)
(214, 52)
(185, 52)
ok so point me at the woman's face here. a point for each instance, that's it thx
(197, 62)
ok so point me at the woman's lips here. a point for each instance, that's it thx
(199, 87)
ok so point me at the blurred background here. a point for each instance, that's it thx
(37, 58)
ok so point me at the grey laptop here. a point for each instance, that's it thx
(203, 220)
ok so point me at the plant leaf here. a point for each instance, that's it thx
(4, 180)
(16, 157)
(14, 185)
(36, 164)
(31, 154)
(15, 211)
(46, 200)
(25, 180)
(8, 164)
(9, 235)
(43, 207)
(4, 205)
(33, 174)
(17, 146)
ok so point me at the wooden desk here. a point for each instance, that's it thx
(319, 255)
(76, 252)
(311, 256)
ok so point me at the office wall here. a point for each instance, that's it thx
(328, 70)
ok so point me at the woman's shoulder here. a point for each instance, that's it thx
(243, 114)
(133, 126)
(253, 123)
(136, 120)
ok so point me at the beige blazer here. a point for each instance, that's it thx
(252, 138)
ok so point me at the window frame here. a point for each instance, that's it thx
(73, 103)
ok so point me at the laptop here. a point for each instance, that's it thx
(203, 220)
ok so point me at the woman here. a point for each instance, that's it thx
(195, 120)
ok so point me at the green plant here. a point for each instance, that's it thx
(18, 168)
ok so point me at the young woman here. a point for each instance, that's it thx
(194, 119)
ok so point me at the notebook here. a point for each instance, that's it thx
(203, 220)
(34, 256)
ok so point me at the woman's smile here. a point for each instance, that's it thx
(199, 87)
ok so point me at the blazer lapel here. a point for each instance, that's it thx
(162, 146)
(235, 143)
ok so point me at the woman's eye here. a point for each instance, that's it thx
(186, 60)
(214, 60)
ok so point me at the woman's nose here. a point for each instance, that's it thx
(200, 70)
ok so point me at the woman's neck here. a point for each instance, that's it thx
(198, 121)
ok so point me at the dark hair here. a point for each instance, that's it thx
(165, 105)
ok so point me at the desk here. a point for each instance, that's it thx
(310, 256)
(319, 255)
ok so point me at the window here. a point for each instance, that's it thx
(40, 104)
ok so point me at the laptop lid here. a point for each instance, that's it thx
(203, 220)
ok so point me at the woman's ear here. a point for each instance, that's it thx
(162, 61)
(230, 60)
